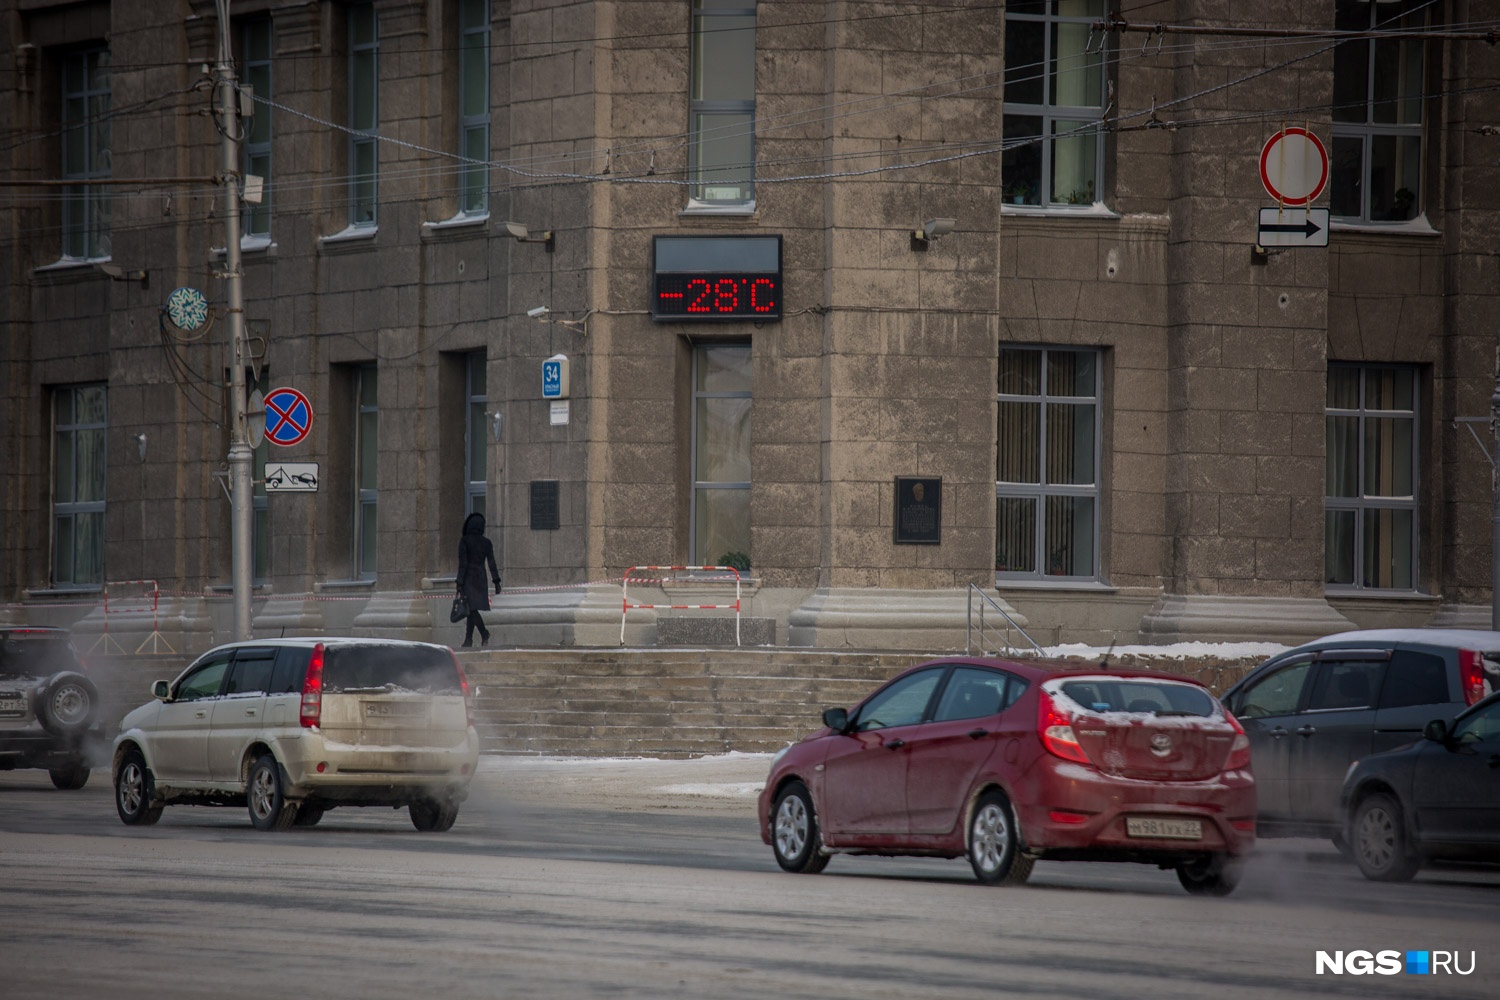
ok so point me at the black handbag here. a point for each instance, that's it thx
(460, 609)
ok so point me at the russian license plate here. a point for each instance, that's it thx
(12, 703)
(1164, 829)
(393, 709)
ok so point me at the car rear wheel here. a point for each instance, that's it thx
(68, 704)
(266, 798)
(308, 815)
(433, 815)
(1380, 846)
(1209, 875)
(994, 843)
(795, 839)
(71, 776)
(133, 792)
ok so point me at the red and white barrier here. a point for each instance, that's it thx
(626, 606)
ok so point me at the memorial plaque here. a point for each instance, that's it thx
(919, 510)
(544, 515)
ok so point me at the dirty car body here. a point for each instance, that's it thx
(1008, 762)
(291, 728)
(49, 707)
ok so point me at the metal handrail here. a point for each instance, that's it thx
(984, 629)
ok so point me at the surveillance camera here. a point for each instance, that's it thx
(538, 312)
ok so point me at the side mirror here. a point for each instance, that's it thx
(161, 689)
(1436, 731)
(836, 719)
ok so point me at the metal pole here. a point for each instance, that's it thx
(241, 455)
(1495, 500)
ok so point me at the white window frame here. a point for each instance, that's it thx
(476, 400)
(696, 554)
(366, 475)
(1369, 130)
(473, 121)
(86, 154)
(364, 187)
(66, 512)
(1363, 506)
(710, 17)
(1041, 491)
(1059, 122)
(257, 45)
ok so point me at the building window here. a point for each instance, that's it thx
(476, 488)
(79, 419)
(1377, 113)
(722, 150)
(721, 455)
(1047, 462)
(1054, 100)
(255, 43)
(1370, 521)
(364, 112)
(474, 105)
(366, 468)
(85, 154)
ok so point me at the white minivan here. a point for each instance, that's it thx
(291, 728)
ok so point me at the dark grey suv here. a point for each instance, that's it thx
(49, 709)
(1312, 711)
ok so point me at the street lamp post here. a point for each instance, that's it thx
(241, 455)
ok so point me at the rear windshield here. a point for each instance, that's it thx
(426, 669)
(35, 654)
(1145, 695)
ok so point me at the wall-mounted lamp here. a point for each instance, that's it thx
(930, 230)
(538, 312)
(140, 445)
(523, 235)
(118, 273)
(497, 423)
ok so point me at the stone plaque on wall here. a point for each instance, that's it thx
(544, 516)
(919, 510)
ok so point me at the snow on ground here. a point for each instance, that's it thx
(1175, 651)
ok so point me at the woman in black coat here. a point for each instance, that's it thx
(474, 551)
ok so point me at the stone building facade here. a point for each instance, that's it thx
(1125, 420)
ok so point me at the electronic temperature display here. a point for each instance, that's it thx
(716, 278)
(718, 296)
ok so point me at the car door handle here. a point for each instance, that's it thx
(895, 744)
(1306, 730)
(1276, 733)
(200, 714)
(250, 712)
(978, 734)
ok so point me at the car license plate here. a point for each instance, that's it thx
(1164, 829)
(393, 709)
(12, 703)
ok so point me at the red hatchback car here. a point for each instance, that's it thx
(1008, 762)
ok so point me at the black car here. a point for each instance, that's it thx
(1312, 711)
(1437, 798)
(49, 709)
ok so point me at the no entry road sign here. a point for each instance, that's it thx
(1294, 166)
(289, 416)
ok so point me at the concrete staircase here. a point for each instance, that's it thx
(665, 703)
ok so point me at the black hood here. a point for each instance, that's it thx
(474, 524)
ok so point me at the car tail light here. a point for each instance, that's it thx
(1056, 730)
(1471, 674)
(463, 682)
(1067, 816)
(1239, 750)
(312, 690)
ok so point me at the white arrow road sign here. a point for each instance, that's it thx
(1293, 227)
